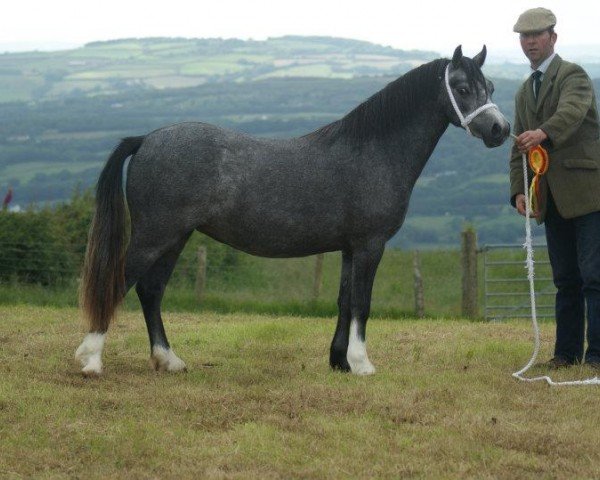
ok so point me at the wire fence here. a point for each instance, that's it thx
(211, 278)
(429, 286)
(43, 263)
(49, 264)
(506, 287)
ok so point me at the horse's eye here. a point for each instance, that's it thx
(463, 91)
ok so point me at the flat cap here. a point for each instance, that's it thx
(535, 20)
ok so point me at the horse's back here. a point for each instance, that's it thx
(272, 197)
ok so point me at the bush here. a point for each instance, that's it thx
(48, 246)
(33, 250)
(73, 220)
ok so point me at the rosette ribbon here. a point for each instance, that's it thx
(538, 162)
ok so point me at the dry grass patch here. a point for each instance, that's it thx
(259, 401)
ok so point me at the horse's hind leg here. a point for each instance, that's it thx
(150, 289)
(150, 265)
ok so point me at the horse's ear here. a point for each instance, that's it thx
(480, 57)
(457, 56)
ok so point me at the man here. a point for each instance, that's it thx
(559, 112)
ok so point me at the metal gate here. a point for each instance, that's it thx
(506, 285)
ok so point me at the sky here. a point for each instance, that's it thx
(438, 25)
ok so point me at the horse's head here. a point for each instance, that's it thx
(467, 97)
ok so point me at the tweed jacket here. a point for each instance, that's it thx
(566, 111)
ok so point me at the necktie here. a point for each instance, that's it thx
(537, 83)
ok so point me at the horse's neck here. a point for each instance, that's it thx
(410, 148)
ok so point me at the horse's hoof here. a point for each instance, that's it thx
(357, 353)
(341, 368)
(89, 354)
(164, 360)
(360, 365)
(92, 365)
(363, 369)
(339, 362)
(92, 371)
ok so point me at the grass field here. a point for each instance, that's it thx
(259, 401)
(279, 286)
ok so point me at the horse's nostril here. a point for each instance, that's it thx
(496, 130)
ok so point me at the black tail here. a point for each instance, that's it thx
(103, 282)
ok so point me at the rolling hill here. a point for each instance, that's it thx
(158, 63)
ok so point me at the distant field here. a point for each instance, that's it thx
(306, 71)
(212, 67)
(259, 401)
(180, 63)
(15, 88)
(26, 171)
(495, 178)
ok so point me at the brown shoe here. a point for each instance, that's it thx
(557, 362)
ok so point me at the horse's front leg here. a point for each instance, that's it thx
(339, 344)
(364, 266)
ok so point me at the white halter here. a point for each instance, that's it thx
(464, 121)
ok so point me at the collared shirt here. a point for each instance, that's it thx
(544, 66)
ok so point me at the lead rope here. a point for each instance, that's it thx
(530, 275)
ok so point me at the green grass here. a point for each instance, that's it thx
(284, 286)
(259, 401)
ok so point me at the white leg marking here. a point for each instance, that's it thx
(357, 353)
(89, 353)
(164, 360)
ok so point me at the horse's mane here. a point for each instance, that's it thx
(389, 109)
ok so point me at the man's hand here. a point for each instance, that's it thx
(530, 139)
(521, 205)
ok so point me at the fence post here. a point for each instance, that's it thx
(318, 280)
(201, 274)
(469, 273)
(418, 284)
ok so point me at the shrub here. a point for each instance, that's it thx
(32, 249)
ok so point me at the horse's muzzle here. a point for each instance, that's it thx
(498, 134)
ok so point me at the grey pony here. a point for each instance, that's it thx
(344, 187)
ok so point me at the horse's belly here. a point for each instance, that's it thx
(277, 238)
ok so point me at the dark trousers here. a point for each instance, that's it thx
(574, 250)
